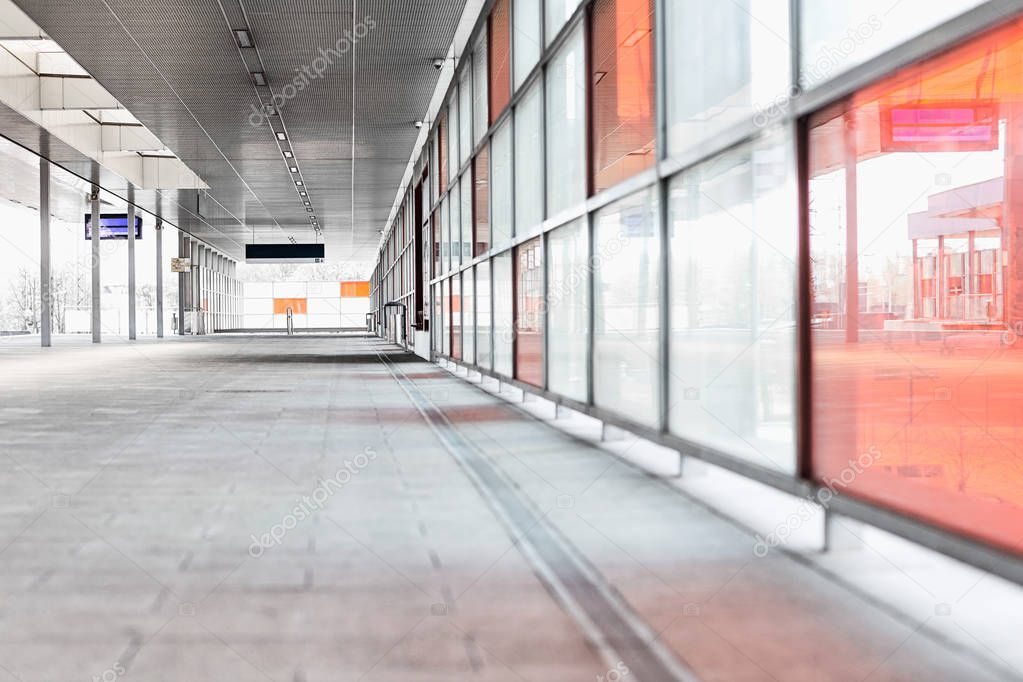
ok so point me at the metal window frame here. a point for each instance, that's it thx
(793, 116)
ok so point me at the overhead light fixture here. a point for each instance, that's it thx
(281, 136)
(259, 78)
(635, 37)
(243, 37)
(299, 183)
(418, 124)
(307, 203)
(303, 194)
(310, 210)
(288, 154)
(294, 169)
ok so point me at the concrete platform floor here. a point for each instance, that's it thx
(266, 508)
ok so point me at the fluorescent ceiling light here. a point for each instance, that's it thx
(281, 136)
(294, 169)
(243, 37)
(259, 78)
(288, 154)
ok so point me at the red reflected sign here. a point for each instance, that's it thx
(964, 126)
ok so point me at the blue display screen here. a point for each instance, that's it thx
(112, 226)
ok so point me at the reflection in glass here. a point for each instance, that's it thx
(529, 167)
(733, 267)
(727, 62)
(503, 317)
(484, 358)
(566, 126)
(567, 310)
(627, 287)
(529, 312)
(917, 314)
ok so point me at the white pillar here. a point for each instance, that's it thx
(132, 326)
(97, 298)
(45, 281)
(158, 234)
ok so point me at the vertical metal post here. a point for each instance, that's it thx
(184, 251)
(45, 281)
(97, 332)
(131, 263)
(158, 234)
(194, 288)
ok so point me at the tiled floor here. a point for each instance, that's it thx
(137, 480)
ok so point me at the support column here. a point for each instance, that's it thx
(97, 293)
(132, 322)
(159, 278)
(45, 281)
(194, 290)
(184, 251)
(852, 274)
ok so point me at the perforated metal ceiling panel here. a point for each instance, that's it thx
(176, 66)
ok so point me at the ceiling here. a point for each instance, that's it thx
(178, 68)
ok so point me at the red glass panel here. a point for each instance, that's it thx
(623, 90)
(481, 201)
(916, 237)
(456, 317)
(529, 312)
(499, 54)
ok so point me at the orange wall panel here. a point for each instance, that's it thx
(298, 306)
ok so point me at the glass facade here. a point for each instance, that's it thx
(568, 317)
(529, 312)
(683, 299)
(529, 166)
(566, 126)
(500, 58)
(622, 77)
(733, 308)
(626, 286)
(504, 328)
(527, 38)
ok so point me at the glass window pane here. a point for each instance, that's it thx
(527, 38)
(915, 189)
(455, 225)
(465, 116)
(566, 126)
(623, 90)
(468, 318)
(482, 201)
(627, 286)
(501, 186)
(567, 310)
(503, 319)
(438, 317)
(453, 157)
(445, 237)
(839, 35)
(466, 197)
(529, 167)
(727, 62)
(456, 317)
(500, 58)
(480, 99)
(438, 248)
(733, 281)
(529, 312)
(442, 147)
(558, 14)
(446, 315)
(484, 358)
